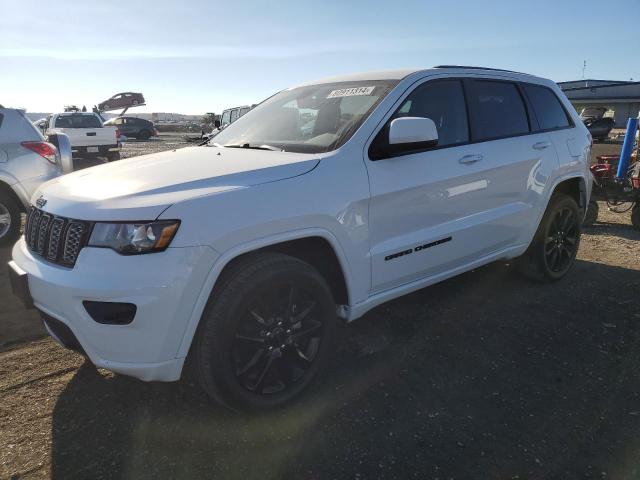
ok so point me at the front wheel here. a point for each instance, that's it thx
(268, 330)
(554, 247)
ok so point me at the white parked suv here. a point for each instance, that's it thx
(241, 258)
(26, 162)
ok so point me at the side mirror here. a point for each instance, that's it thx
(418, 132)
(403, 136)
(64, 156)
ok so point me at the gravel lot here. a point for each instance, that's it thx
(482, 376)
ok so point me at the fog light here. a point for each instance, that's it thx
(110, 313)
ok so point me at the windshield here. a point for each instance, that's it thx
(311, 119)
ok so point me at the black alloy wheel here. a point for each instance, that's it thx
(552, 251)
(561, 240)
(268, 330)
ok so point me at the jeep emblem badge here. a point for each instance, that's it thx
(41, 202)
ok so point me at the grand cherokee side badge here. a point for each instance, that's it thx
(41, 202)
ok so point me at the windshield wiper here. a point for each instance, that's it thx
(255, 147)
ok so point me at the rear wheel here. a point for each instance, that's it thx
(554, 247)
(635, 216)
(592, 214)
(10, 219)
(266, 333)
(144, 135)
(113, 156)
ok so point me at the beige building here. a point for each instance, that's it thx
(623, 97)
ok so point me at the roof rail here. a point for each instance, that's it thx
(479, 68)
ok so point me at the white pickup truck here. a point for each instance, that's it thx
(88, 136)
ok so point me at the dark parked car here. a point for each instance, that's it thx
(122, 100)
(599, 128)
(134, 127)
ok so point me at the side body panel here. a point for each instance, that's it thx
(431, 212)
(23, 170)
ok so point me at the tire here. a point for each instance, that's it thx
(249, 352)
(10, 219)
(592, 214)
(635, 216)
(113, 156)
(554, 246)
(144, 135)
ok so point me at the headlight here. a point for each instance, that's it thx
(134, 238)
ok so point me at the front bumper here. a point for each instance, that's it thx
(164, 286)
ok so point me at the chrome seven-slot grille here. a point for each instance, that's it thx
(58, 239)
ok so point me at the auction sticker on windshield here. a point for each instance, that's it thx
(351, 92)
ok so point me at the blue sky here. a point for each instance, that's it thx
(200, 56)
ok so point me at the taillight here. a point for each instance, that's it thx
(117, 134)
(44, 149)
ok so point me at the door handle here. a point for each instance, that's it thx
(541, 145)
(468, 159)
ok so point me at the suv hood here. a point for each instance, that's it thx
(141, 188)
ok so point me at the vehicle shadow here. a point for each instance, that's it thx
(481, 376)
(622, 230)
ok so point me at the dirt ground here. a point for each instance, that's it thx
(482, 376)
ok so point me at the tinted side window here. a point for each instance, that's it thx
(442, 102)
(496, 110)
(547, 107)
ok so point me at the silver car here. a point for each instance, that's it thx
(26, 161)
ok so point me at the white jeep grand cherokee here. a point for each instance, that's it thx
(329, 198)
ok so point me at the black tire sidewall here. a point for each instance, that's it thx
(219, 324)
(635, 216)
(15, 211)
(591, 215)
(557, 203)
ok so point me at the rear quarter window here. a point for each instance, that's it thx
(496, 110)
(548, 110)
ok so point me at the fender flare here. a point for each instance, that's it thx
(13, 186)
(584, 191)
(569, 176)
(223, 260)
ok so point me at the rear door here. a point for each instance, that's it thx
(554, 125)
(519, 156)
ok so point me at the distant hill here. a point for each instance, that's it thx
(161, 117)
